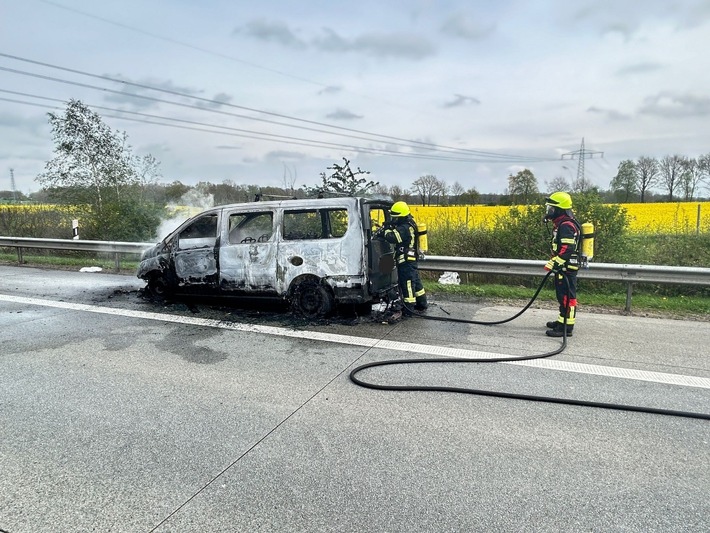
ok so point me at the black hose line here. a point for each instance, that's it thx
(497, 394)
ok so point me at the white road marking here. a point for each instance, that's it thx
(425, 349)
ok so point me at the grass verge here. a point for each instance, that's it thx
(682, 307)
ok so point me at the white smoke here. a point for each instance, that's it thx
(190, 204)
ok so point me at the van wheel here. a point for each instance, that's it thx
(312, 299)
(157, 286)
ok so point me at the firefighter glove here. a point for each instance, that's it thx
(555, 264)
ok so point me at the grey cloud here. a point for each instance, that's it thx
(228, 147)
(409, 46)
(465, 27)
(610, 114)
(34, 125)
(131, 95)
(378, 44)
(639, 68)
(342, 114)
(624, 30)
(280, 155)
(331, 89)
(274, 32)
(461, 100)
(670, 105)
(217, 101)
(625, 18)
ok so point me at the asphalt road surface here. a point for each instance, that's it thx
(121, 414)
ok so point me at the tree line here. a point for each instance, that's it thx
(119, 195)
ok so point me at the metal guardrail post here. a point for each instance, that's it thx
(629, 286)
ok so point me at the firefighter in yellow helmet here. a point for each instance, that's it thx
(564, 261)
(401, 231)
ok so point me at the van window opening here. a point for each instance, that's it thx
(202, 232)
(245, 228)
(306, 224)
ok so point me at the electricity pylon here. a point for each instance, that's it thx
(581, 154)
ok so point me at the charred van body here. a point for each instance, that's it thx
(314, 253)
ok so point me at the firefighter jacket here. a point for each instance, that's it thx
(402, 233)
(566, 239)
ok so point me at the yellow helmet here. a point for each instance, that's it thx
(559, 199)
(399, 209)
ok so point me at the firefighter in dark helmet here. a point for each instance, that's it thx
(564, 263)
(401, 231)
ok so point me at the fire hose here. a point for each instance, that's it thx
(500, 394)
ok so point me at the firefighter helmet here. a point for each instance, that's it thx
(399, 209)
(559, 199)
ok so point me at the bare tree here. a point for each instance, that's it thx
(558, 183)
(442, 195)
(691, 178)
(396, 192)
(581, 184)
(289, 179)
(646, 169)
(427, 187)
(671, 167)
(704, 166)
(456, 191)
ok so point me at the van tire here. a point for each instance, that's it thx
(312, 299)
(157, 287)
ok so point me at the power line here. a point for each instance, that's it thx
(421, 144)
(209, 52)
(230, 131)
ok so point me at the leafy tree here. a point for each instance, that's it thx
(174, 191)
(344, 181)
(671, 169)
(93, 168)
(523, 187)
(12, 196)
(470, 197)
(646, 174)
(624, 184)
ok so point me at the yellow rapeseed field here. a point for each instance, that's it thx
(676, 217)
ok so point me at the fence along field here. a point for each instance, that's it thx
(658, 218)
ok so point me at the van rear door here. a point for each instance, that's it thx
(380, 255)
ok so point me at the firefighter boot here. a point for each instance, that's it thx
(559, 330)
(421, 304)
(551, 324)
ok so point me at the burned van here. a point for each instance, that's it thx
(314, 253)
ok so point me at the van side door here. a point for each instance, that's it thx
(194, 254)
(248, 252)
(322, 242)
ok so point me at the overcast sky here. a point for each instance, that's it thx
(467, 90)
